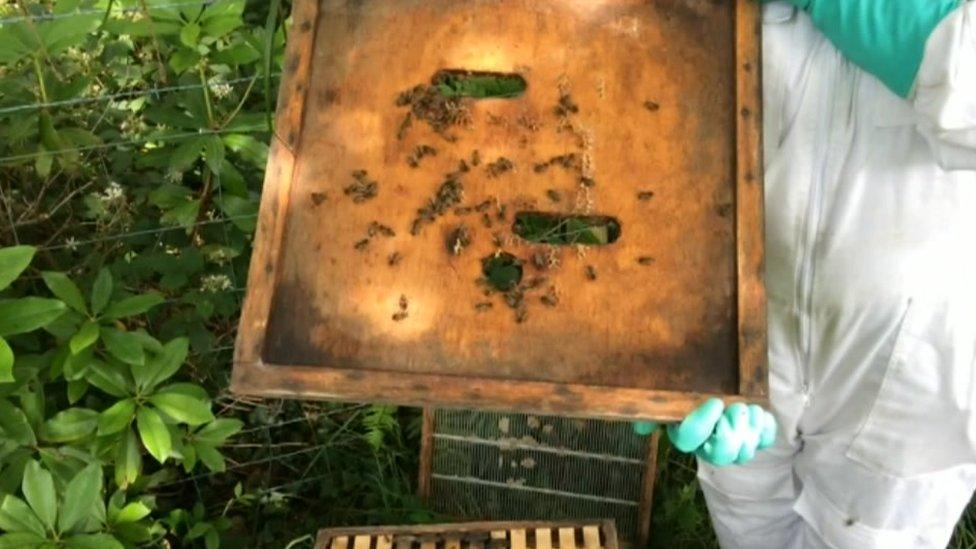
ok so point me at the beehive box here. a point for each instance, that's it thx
(549, 206)
(474, 535)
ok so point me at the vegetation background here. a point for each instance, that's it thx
(133, 142)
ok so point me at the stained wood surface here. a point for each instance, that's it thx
(470, 535)
(655, 339)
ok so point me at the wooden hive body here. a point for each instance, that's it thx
(644, 112)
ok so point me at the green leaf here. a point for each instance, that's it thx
(32, 403)
(65, 325)
(101, 290)
(220, 26)
(168, 196)
(6, 362)
(190, 34)
(165, 364)
(116, 417)
(76, 390)
(84, 338)
(188, 389)
(243, 211)
(93, 541)
(186, 154)
(70, 425)
(128, 460)
(189, 453)
(183, 215)
(154, 434)
(13, 261)
(65, 290)
(76, 366)
(124, 346)
(238, 54)
(13, 471)
(148, 342)
(183, 408)
(213, 152)
(38, 488)
(61, 34)
(43, 163)
(18, 316)
(131, 306)
(21, 540)
(16, 516)
(80, 497)
(210, 457)
(133, 512)
(183, 59)
(218, 431)
(167, 115)
(48, 133)
(15, 425)
(250, 149)
(110, 378)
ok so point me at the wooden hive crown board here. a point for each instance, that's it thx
(659, 104)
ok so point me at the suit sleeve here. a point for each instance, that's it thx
(945, 90)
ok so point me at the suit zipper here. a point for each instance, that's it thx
(836, 129)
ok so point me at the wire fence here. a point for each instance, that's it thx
(260, 441)
(145, 232)
(154, 93)
(289, 451)
(160, 138)
(39, 18)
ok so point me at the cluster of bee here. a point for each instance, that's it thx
(441, 113)
(375, 229)
(500, 167)
(427, 103)
(363, 188)
(419, 153)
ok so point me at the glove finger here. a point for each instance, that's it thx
(757, 417)
(691, 433)
(738, 416)
(746, 454)
(720, 450)
(744, 421)
(768, 436)
(644, 428)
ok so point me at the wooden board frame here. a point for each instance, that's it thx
(645, 507)
(252, 376)
(505, 534)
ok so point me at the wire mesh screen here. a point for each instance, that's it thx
(502, 466)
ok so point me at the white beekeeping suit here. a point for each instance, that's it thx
(871, 260)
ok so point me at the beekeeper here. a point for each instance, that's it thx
(870, 158)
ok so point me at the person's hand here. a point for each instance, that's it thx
(884, 37)
(719, 435)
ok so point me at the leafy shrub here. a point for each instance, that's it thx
(132, 150)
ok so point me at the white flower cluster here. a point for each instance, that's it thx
(220, 89)
(215, 283)
(112, 194)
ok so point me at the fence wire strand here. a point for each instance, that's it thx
(133, 234)
(123, 11)
(131, 94)
(27, 156)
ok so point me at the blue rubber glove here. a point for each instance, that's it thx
(719, 435)
(884, 37)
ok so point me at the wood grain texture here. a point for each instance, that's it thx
(668, 95)
(646, 504)
(470, 535)
(426, 465)
(751, 265)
